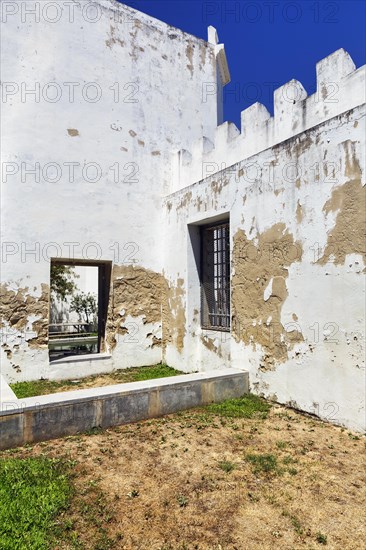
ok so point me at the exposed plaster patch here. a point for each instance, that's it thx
(113, 39)
(299, 212)
(189, 54)
(349, 199)
(295, 147)
(173, 314)
(25, 313)
(203, 52)
(218, 186)
(185, 200)
(136, 292)
(210, 344)
(259, 291)
(156, 342)
(198, 203)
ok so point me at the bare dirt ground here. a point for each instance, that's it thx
(185, 482)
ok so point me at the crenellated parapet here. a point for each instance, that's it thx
(340, 87)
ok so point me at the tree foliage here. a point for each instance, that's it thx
(85, 305)
(63, 281)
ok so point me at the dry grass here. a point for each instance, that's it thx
(187, 481)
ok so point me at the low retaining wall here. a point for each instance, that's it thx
(50, 416)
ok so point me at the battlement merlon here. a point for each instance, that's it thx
(340, 88)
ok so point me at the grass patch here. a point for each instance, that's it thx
(38, 387)
(149, 373)
(134, 374)
(296, 524)
(322, 539)
(182, 501)
(32, 492)
(226, 466)
(262, 463)
(248, 406)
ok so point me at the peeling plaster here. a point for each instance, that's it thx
(259, 291)
(349, 201)
(21, 312)
(141, 293)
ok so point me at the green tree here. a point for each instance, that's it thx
(62, 281)
(85, 306)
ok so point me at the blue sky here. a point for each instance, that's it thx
(268, 42)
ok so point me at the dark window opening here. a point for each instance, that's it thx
(215, 276)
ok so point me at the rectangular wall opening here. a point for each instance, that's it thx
(215, 276)
(78, 307)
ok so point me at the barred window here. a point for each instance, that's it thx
(215, 276)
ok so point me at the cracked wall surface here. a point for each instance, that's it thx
(17, 306)
(260, 266)
(144, 306)
(24, 325)
(297, 226)
(348, 202)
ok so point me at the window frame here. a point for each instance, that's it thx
(207, 313)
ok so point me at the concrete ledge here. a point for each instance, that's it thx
(81, 358)
(60, 414)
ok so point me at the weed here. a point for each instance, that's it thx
(352, 436)
(294, 521)
(226, 466)
(133, 494)
(149, 373)
(103, 542)
(182, 501)
(248, 406)
(322, 539)
(296, 525)
(262, 463)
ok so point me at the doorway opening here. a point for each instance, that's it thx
(78, 308)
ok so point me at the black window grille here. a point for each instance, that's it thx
(215, 277)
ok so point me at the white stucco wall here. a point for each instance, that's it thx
(306, 186)
(86, 158)
(129, 177)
